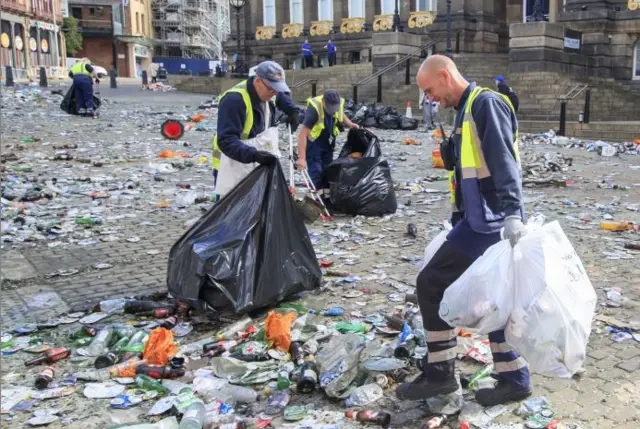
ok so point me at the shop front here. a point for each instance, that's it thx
(143, 58)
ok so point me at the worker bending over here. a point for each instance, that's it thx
(487, 196)
(317, 139)
(83, 74)
(241, 117)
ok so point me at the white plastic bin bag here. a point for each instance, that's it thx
(554, 303)
(435, 244)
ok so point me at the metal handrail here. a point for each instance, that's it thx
(302, 83)
(573, 93)
(396, 63)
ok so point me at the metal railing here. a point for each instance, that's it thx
(407, 78)
(571, 95)
(313, 82)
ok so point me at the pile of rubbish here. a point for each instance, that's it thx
(381, 116)
(545, 169)
(158, 87)
(603, 148)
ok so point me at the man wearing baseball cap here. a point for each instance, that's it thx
(317, 138)
(241, 116)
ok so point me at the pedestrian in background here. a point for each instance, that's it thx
(152, 71)
(83, 74)
(427, 112)
(331, 50)
(505, 89)
(307, 55)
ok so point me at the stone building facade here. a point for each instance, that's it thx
(31, 36)
(605, 40)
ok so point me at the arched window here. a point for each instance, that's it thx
(636, 62)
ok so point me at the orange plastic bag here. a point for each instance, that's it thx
(436, 159)
(171, 154)
(437, 134)
(278, 329)
(160, 347)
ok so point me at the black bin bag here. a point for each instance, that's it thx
(362, 186)
(68, 103)
(250, 250)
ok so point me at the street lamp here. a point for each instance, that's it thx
(238, 5)
(396, 19)
(448, 51)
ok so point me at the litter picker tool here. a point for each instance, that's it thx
(311, 207)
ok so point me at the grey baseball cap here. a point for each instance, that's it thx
(273, 74)
(331, 101)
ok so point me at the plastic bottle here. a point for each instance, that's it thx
(231, 331)
(479, 375)
(99, 345)
(148, 383)
(435, 422)
(364, 395)
(193, 418)
(88, 221)
(110, 306)
(136, 343)
(160, 372)
(83, 332)
(106, 360)
(616, 226)
(296, 353)
(137, 306)
(283, 379)
(380, 418)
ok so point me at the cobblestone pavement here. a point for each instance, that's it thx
(45, 277)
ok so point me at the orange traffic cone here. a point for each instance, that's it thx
(409, 112)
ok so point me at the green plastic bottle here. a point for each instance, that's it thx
(147, 383)
(88, 221)
(283, 379)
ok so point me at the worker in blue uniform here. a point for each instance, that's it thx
(241, 115)
(317, 139)
(487, 184)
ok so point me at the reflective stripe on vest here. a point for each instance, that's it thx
(79, 68)
(338, 116)
(452, 191)
(471, 156)
(241, 89)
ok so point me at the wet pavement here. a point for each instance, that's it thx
(96, 221)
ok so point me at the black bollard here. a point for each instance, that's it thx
(145, 78)
(379, 97)
(355, 93)
(43, 77)
(314, 88)
(112, 75)
(587, 106)
(563, 118)
(8, 76)
(407, 72)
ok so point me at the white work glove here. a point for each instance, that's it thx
(513, 229)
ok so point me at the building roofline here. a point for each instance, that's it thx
(95, 3)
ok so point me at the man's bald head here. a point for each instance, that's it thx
(441, 80)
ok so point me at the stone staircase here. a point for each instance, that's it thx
(624, 131)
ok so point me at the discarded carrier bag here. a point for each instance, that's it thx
(538, 291)
(250, 250)
(68, 103)
(362, 184)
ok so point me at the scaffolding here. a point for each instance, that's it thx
(191, 28)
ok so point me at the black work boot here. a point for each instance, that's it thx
(502, 393)
(423, 388)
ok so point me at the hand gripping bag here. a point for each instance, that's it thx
(362, 186)
(249, 251)
(554, 303)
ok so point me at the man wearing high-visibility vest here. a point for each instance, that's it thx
(241, 117)
(487, 194)
(317, 139)
(83, 74)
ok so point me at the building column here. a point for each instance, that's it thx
(283, 14)
(38, 50)
(14, 51)
(553, 10)
(369, 12)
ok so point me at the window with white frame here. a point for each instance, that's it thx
(269, 13)
(387, 7)
(296, 9)
(426, 5)
(325, 10)
(636, 62)
(356, 8)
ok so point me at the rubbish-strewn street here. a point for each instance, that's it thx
(91, 208)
